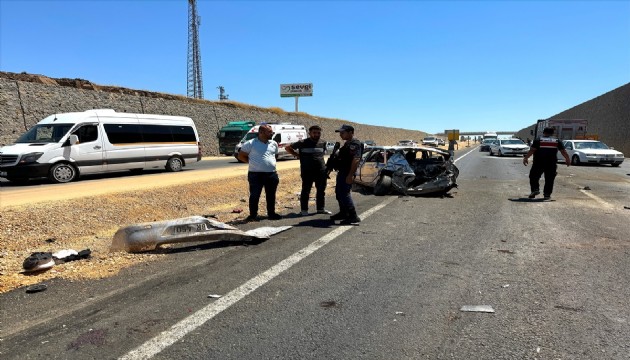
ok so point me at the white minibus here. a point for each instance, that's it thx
(64, 146)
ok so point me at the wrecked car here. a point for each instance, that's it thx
(408, 170)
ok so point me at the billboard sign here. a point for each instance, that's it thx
(292, 90)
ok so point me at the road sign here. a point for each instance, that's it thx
(452, 134)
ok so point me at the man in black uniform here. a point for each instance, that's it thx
(348, 162)
(545, 151)
(312, 168)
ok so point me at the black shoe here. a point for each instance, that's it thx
(546, 197)
(533, 194)
(274, 216)
(339, 216)
(252, 218)
(352, 218)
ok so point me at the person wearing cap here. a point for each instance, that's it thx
(348, 162)
(311, 151)
(261, 154)
(545, 151)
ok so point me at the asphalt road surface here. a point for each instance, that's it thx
(555, 273)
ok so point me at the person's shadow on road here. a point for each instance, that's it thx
(528, 200)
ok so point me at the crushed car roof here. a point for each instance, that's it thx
(405, 148)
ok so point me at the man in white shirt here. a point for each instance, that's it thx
(261, 154)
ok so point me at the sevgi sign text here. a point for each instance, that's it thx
(292, 90)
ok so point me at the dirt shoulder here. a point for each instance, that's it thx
(83, 215)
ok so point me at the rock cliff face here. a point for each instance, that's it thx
(608, 116)
(25, 99)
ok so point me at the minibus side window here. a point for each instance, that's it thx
(87, 133)
(123, 133)
(183, 134)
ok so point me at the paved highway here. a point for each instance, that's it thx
(555, 273)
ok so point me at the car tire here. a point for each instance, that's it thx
(62, 173)
(383, 185)
(499, 154)
(174, 164)
(575, 160)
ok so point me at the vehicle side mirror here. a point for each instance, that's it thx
(74, 139)
(612, 148)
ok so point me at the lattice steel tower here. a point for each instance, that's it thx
(195, 83)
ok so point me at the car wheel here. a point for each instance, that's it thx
(174, 164)
(62, 173)
(575, 160)
(383, 185)
(499, 154)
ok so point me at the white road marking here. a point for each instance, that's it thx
(471, 150)
(192, 322)
(596, 198)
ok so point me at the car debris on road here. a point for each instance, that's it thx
(148, 236)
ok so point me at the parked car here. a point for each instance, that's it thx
(409, 170)
(591, 152)
(441, 142)
(502, 147)
(485, 144)
(407, 143)
(430, 141)
(330, 146)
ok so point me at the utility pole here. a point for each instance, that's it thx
(195, 83)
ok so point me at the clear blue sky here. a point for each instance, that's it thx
(422, 65)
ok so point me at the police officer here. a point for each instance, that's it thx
(312, 168)
(348, 162)
(545, 151)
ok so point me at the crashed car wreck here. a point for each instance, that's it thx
(407, 170)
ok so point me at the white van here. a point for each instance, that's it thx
(284, 134)
(64, 146)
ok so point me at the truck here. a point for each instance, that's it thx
(231, 134)
(489, 135)
(566, 129)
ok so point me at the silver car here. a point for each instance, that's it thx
(409, 170)
(591, 152)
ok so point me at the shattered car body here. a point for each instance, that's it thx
(409, 170)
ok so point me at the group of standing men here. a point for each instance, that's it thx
(261, 154)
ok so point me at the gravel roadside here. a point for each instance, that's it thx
(92, 221)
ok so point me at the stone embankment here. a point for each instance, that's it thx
(25, 99)
(608, 116)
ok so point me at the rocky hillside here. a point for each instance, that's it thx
(26, 98)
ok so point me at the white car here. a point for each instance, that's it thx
(591, 152)
(503, 147)
(430, 141)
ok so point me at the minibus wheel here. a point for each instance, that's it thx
(174, 164)
(62, 173)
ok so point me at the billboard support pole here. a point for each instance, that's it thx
(296, 103)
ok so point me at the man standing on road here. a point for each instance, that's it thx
(348, 162)
(312, 168)
(261, 154)
(545, 151)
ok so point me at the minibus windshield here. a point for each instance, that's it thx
(45, 133)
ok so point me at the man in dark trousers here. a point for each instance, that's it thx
(348, 162)
(545, 151)
(261, 153)
(312, 168)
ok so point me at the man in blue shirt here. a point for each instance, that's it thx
(261, 154)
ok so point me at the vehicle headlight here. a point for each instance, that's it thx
(619, 155)
(30, 158)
